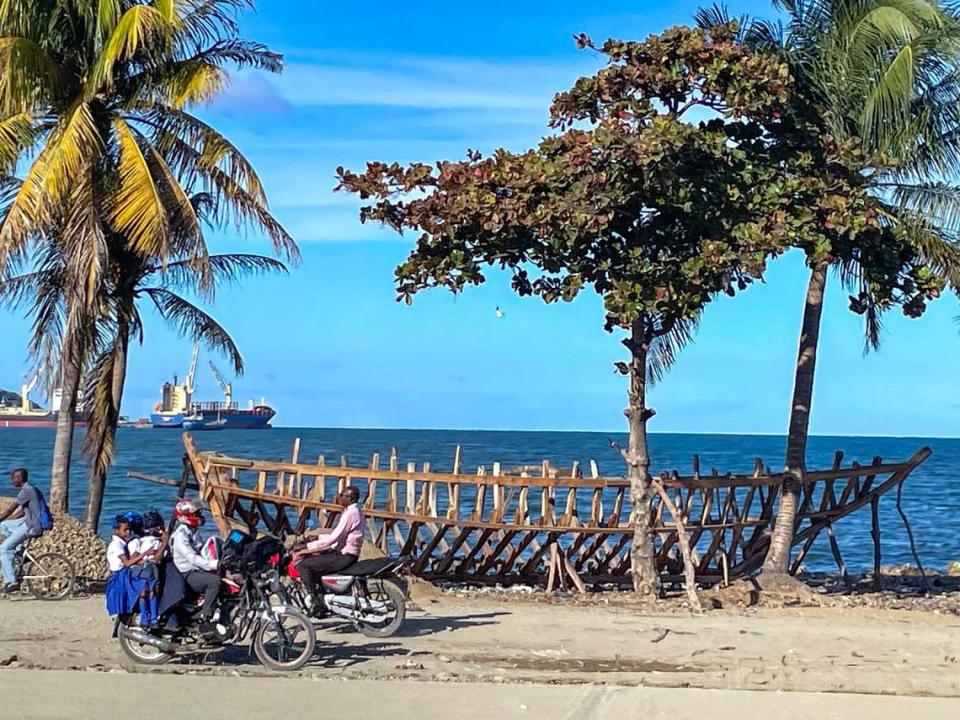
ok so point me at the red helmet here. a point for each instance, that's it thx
(189, 512)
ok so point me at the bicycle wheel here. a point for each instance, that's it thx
(286, 641)
(49, 576)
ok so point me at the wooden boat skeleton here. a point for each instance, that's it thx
(541, 525)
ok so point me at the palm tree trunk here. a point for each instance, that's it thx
(108, 432)
(646, 580)
(70, 377)
(778, 557)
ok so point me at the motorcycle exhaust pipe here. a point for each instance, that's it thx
(143, 638)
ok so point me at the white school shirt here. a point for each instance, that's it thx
(116, 550)
(143, 545)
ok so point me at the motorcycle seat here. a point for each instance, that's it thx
(368, 567)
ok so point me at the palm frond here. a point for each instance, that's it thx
(99, 441)
(225, 268)
(18, 134)
(193, 148)
(28, 75)
(137, 208)
(666, 346)
(140, 28)
(889, 99)
(192, 322)
(937, 202)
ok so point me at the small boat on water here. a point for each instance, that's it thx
(202, 422)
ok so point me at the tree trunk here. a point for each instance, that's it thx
(646, 579)
(778, 557)
(71, 374)
(108, 433)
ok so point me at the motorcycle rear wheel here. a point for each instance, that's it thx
(286, 643)
(139, 653)
(390, 593)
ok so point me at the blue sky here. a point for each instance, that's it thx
(329, 346)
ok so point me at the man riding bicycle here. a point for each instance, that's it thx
(19, 522)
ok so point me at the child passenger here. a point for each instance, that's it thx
(123, 589)
(150, 547)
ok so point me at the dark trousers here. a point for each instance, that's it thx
(206, 584)
(313, 567)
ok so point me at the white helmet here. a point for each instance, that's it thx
(189, 512)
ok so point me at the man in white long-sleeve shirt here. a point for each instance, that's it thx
(198, 572)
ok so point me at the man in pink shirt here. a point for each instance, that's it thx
(334, 551)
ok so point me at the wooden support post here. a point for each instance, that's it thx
(372, 482)
(393, 504)
(480, 498)
(344, 479)
(546, 497)
(411, 490)
(458, 460)
(319, 486)
(913, 547)
(295, 484)
(689, 573)
(838, 558)
(570, 571)
(552, 572)
(431, 506)
(377, 538)
(875, 532)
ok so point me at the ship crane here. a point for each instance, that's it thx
(191, 373)
(25, 393)
(226, 387)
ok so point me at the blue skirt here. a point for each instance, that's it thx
(148, 573)
(123, 592)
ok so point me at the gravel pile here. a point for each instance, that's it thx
(85, 550)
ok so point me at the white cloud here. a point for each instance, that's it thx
(437, 83)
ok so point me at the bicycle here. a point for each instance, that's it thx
(50, 576)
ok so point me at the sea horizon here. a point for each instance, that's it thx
(615, 432)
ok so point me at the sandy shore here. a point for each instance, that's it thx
(486, 640)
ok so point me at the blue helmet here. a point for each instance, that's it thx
(134, 520)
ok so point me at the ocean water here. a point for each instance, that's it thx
(931, 495)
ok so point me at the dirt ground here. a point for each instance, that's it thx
(493, 640)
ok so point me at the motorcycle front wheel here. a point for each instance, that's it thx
(286, 641)
(389, 623)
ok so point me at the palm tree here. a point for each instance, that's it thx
(132, 279)
(139, 279)
(884, 77)
(96, 99)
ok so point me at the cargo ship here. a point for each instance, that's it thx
(21, 412)
(177, 409)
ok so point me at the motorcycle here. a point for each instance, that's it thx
(364, 594)
(282, 637)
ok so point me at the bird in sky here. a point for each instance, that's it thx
(499, 312)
